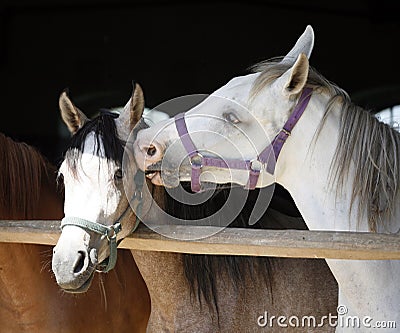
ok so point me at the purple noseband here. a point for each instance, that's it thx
(266, 159)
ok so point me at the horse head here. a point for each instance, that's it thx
(227, 132)
(97, 208)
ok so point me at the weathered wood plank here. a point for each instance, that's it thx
(31, 232)
(280, 243)
(233, 241)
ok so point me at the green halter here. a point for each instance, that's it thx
(111, 231)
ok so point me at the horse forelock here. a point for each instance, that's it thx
(373, 147)
(24, 171)
(107, 143)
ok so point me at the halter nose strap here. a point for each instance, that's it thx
(266, 159)
(110, 232)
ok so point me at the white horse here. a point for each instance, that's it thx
(339, 163)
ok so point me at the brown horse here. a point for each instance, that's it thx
(30, 300)
(189, 293)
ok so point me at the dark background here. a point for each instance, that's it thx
(173, 48)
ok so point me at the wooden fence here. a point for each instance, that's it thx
(230, 241)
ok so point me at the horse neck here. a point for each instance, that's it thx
(169, 293)
(304, 169)
(28, 193)
(308, 170)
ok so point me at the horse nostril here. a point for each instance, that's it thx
(151, 150)
(79, 262)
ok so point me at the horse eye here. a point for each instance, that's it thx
(118, 175)
(231, 117)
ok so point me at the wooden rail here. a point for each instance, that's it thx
(230, 241)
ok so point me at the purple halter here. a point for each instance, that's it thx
(267, 157)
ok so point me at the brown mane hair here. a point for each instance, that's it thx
(23, 171)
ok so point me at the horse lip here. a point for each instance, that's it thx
(170, 174)
(153, 167)
(162, 167)
(84, 287)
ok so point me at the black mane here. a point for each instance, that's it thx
(106, 138)
(203, 271)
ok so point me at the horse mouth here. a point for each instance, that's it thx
(153, 168)
(162, 176)
(83, 288)
(150, 174)
(155, 177)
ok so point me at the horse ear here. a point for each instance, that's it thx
(136, 106)
(71, 115)
(133, 110)
(294, 79)
(304, 45)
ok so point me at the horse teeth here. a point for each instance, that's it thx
(150, 175)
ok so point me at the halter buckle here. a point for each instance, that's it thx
(196, 160)
(112, 231)
(256, 165)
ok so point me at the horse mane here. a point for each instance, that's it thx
(202, 271)
(373, 147)
(23, 172)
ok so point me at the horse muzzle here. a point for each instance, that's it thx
(73, 264)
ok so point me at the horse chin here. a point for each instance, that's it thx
(83, 288)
